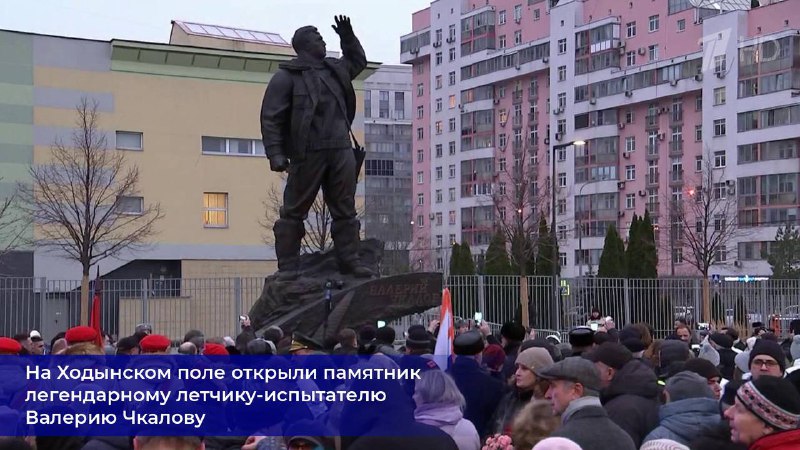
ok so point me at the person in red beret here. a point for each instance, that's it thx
(9, 346)
(154, 344)
(82, 333)
(212, 349)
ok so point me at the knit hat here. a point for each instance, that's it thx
(513, 331)
(702, 367)
(673, 351)
(768, 348)
(795, 348)
(721, 339)
(535, 358)
(794, 326)
(773, 400)
(663, 444)
(612, 354)
(631, 338)
(494, 357)
(685, 385)
(386, 334)
(556, 443)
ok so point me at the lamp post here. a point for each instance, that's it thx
(553, 236)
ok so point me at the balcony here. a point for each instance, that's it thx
(533, 117)
(652, 151)
(652, 207)
(533, 96)
(517, 122)
(676, 116)
(652, 179)
(651, 120)
(676, 177)
(517, 96)
(676, 148)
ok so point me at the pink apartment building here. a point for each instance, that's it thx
(655, 89)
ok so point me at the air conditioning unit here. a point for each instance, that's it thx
(437, 44)
(592, 101)
(621, 44)
(496, 101)
(628, 93)
(432, 216)
(642, 193)
(737, 263)
(547, 141)
(622, 51)
(558, 111)
(546, 60)
(665, 110)
(720, 74)
(673, 83)
(626, 155)
(621, 185)
(518, 19)
(559, 136)
(698, 77)
(661, 136)
(621, 126)
(450, 40)
(620, 213)
(731, 183)
(414, 51)
(642, 51)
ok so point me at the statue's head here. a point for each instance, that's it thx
(308, 42)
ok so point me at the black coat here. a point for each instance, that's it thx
(481, 391)
(727, 362)
(292, 95)
(591, 429)
(510, 364)
(109, 443)
(631, 400)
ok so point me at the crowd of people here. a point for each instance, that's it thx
(604, 388)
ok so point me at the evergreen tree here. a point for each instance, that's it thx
(633, 251)
(455, 260)
(784, 257)
(467, 264)
(612, 260)
(648, 246)
(497, 262)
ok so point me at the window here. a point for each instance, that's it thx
(451, 194)
(720, 64)
(451, 32)
(677, 255)
(452, 104)
(562, 73)
(420, 177)
(420, 220)
(630, 58)
(561, 155)
(631, 29)
(439, 241)
(438, 36)
(719, 222)
(420, 69)
(698, 103)
(630, 172)
(721, 255)
(451, 148)
(438, 150)
(438, 196)
(562, 179)
(653, 23)
(502, 140)
(229, 146)
(451, 217)
(719, 158)
(537, 14)
(562, 100)
(438, 58)
(438, 218)
(630, 201)
(719, 96)
(438, 104)
(501, 17)
(215, 209)
(630, 144)
(681, 25)
(452, 170)
(562, 46)
(652, 52)
(420, 89)
(439, 172)
(420, 112)
(451, 78)
(561, 206)
(517, 13)
(452, 124)
(719, 127)
(629, 116)
(518, 37)
(129, 140)
(420, 200)
(501, 41)
(452, 54)
(420, 134)
(130, 206)
(698, 133)
(368, 103)
(452, 239)
(420, 155)
(562, 259)
(698, 163)
(438, 81)
(502, 165)
(720, 190)
(438, 127)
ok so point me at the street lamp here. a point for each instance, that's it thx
(555, 258)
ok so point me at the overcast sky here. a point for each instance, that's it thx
(378, 23)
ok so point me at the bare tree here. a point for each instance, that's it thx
(11, 224)
(318, 224)
(83, 201)
(704, 222)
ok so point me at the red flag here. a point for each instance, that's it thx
(94, 317)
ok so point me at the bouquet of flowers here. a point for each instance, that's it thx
(498, 442)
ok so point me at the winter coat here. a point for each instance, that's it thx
(108, 443)
(481, 391)
(727, 362)
(592, 429)
(510, 364)
(450, 419)
(683, 420)
(631, 400)
(508, 408)
(787, 440)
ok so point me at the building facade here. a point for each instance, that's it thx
(387, 167)
(651, 94)
(185, 112)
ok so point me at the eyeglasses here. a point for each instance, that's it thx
(770, 363)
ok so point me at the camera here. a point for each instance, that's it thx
(334, 284)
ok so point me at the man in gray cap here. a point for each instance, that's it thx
(574, 393)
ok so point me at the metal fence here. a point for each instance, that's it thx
(213, 305)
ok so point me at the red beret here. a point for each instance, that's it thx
(214, 349)
(154, 343)
(8, 345)
(80, 334)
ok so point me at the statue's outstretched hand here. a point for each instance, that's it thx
(278, 163)
(342, 27)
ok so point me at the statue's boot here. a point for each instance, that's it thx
(288, 236)
(346, 237)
